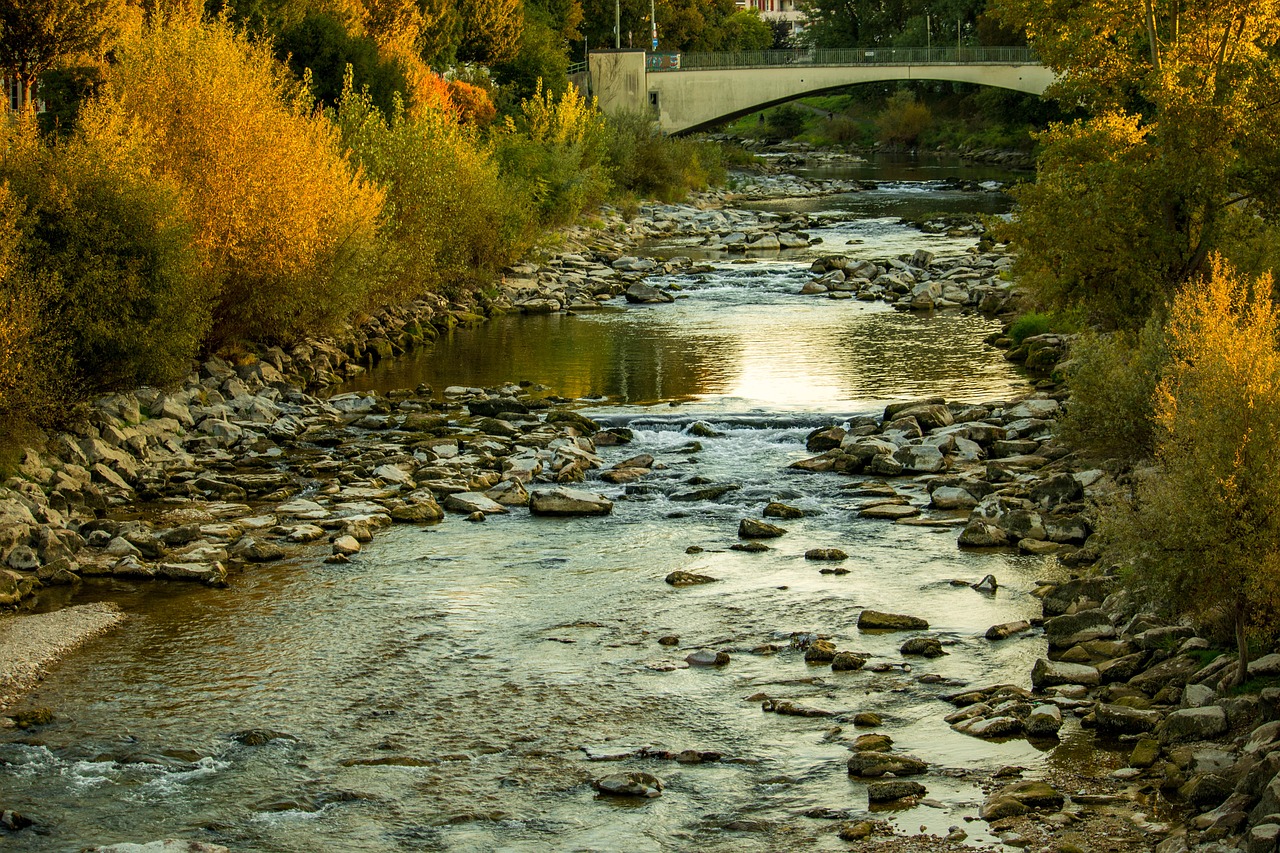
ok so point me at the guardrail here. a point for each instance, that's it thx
(577, 68)
(851, 56)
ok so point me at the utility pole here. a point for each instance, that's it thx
(653, 21)
(617, 24)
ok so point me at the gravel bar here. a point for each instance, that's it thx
(30, 644)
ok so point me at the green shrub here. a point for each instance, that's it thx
(1029, 325)
(554, 151)
(450, 223)
(104, 271)
(786, 121)
(1112, 379)
(645, 163)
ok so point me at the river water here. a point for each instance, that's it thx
(450, 688)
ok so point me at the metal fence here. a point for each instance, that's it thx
(853, 56)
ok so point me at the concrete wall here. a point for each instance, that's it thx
(618, 80)
(692, 100)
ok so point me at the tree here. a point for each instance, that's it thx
(1204, 538)
(598, 19)
(745, 30)
(35, 35)
(319, 43)
(286, 224)
(1182, 104)
(490, 30)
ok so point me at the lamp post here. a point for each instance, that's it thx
(617, 24)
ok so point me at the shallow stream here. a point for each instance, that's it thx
(450, 688)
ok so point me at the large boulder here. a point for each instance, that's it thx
(1048, 673)
(1123, 720)
(568, 502)
(1070, 629)
(644, 294)
(871, 763)
(1192, 724)
(876, 620)
(751, 528)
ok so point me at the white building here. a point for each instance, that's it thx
(784, 11)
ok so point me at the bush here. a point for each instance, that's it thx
(106, 268)
(288, 227)
(1204, 538)
(451, 223)
(554, 150)
(645, 163)
(1029, 325)
(1112, 379)
(903, 119)
(786, 121)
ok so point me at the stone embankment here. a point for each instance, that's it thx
(240, 467)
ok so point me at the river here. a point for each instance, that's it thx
(450, 687)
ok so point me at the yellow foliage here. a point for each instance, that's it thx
(17, 315)
(286, 223)
(1206, 533)
(568, 120)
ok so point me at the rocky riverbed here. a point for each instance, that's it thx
(247, 464)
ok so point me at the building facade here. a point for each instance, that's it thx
(778, 11)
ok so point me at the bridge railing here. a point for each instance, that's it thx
(851, 56)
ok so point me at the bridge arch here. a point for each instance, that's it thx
(692, 96)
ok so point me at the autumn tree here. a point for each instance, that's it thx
(1204, 537)
(490, 30)
(1131, 201)
(284, 221)
(35, 35)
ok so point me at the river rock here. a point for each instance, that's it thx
(952, 497)
(990, 728)
(929, 647)
(848, 662)
(1019, 798)
(1174, 672)
(888, 790)
(346, 546)
(751, 528)
(644, 294)
(921, 459)
(469, 502)
(568, 502)
(1071, 629)
(1191, 724)
(1119, 719)
(871, 763)
(1047, 673)
(781, 510)
(680, 578)
(707, 657)
(875, 620)
(829, 554)
(1007, 630)
(634, 784)
(254, 550)
(508, 493)
(889, 512)
(1044, 721)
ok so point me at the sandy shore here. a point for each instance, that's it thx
(30, 644)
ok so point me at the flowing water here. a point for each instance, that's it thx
(450, 688)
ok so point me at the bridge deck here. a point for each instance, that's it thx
(841, 57)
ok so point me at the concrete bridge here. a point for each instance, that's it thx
(694, 91)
